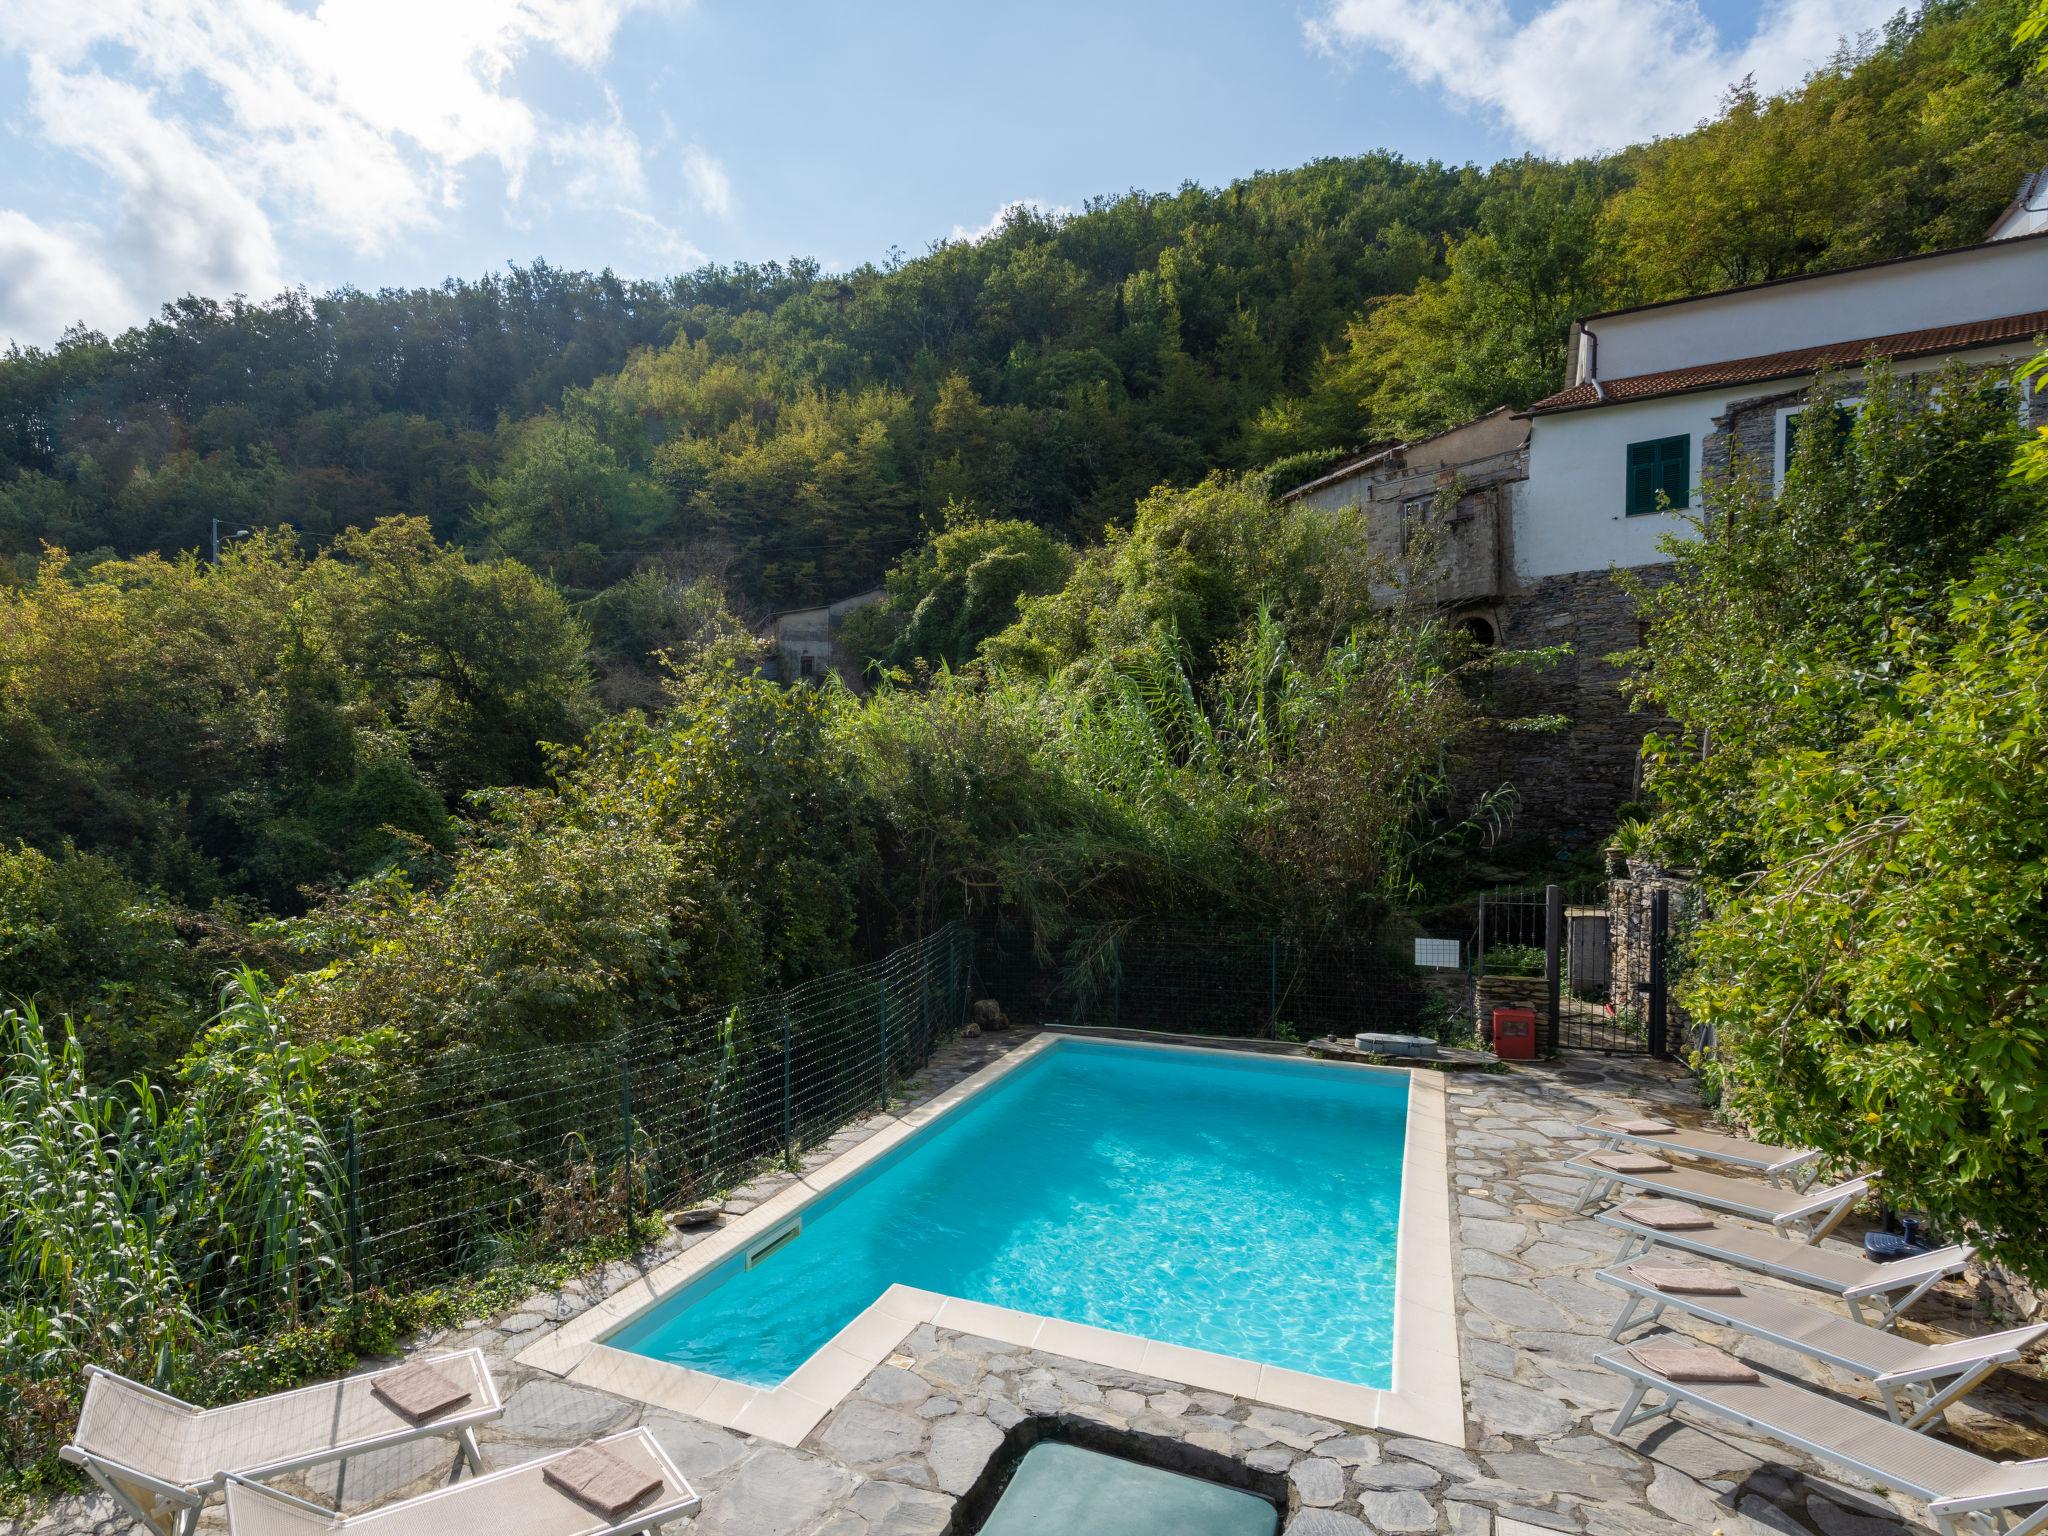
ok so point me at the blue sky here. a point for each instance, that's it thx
(154, 147)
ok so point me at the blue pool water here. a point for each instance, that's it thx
(1232, 1203)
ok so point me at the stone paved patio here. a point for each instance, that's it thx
(899, 1454)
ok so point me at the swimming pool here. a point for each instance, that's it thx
(1237, 1204)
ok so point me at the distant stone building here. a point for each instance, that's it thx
(804, 640)
(1532, 513)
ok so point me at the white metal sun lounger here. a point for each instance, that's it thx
(1812, 1214)
(1796, 1165)
(161, 1457)
(519, 1501)
(1838, 1271)
(1961, 1489)
(1916, 1381)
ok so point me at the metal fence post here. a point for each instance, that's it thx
(1553, 970)
(1272, 985)
(788, 1151)
(882, 1027)
(626, 1132)
(1660, 929)
(352, 1175)
(1116, 980)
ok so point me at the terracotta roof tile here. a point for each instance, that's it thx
(1804, 360)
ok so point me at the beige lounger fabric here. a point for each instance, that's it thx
(1629, 1162)
(1744, 1196)
(1668, 1215)
(1684, 1280)
(1639, 1127)
(1922, 1465)
(516, 1502)
(192, 1447)
(1691, 1363)
(1708, 1144)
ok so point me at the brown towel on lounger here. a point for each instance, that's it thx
(1665, 1215)
(1684, 1280)
(1693, 1363)
(592, 1475)
(417, 1392)
(1630, 1162)
(1640, 1127)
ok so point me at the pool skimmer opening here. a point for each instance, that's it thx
(776, 1241)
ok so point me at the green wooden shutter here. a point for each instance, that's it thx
(1642, 478)
(1660, 464)
(1674, 456)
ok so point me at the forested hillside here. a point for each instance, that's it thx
(798, 430)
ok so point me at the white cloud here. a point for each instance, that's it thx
(1005, 213)
(1580, 76)
(183, 218)
(708, 183)
(52, 278)
(222, 124)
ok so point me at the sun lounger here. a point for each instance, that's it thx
(1838, 1271)
(1961, 1489)
(161, 1457)
(519, 1501)
(1813, 1214)
(1916, 1381)
(1794, 1164)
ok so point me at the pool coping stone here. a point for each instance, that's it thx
(1425, 1401)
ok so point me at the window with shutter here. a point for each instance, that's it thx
(1660, 465)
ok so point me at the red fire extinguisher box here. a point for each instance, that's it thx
(1514, 1034)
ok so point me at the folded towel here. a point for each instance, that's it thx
(1665, 1215)
(417, 1392)
(1640, 1127)
(608, 1483)
(1629, 1162)
(1684, 1280)
(1693, 1363)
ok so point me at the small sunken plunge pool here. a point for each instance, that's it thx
(1224, 1201)
(1067, 1490)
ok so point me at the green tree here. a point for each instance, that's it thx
(1874, 988)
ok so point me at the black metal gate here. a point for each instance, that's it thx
(1566, 953)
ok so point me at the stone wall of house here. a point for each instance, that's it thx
(1569, 783)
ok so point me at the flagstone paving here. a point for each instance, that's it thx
(896, 1457)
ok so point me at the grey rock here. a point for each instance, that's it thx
(1478, 1261)
(1273, 1458)
(1553, 1474)
(893, 1510)
(1171, 1404)
(1390, 1475)
(951, 1371)
(1493, 1236)
(960, 1449)
(1003, 1413)
(895, 1387)
(1515, 1305)
(1326, 1522)
(1318, 1480)
(1833, 1520)
(774, 1493)
(1447, 1459)
(521, 1322)
(867, 1434)
(938, 1407)
(1352, 1450)
(1296, 1424)
(1397, 1512)
(549, 1409)
(1514, 1410)
(702, 1452)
